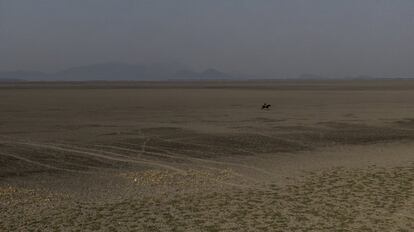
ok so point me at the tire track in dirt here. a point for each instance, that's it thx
(39, 163)
(207, 145)
(176, 156)
(80, 150)
(126, 160)
(169, 154)
(259, 170)
(182, 157)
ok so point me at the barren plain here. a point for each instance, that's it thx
(203, 156)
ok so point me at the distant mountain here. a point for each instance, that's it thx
(208, 74)
(5, 80)
(361, 77)
(11, 76)
(319, 77)
(214, 74)
(309, 76)
(119, 72)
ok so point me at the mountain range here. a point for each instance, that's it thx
(142, 72)
(117, 72)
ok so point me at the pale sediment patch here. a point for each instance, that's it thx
(192, 178)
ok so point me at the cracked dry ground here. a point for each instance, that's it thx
(185, 187)
(328, 157)
(335, 199)
(171, 179)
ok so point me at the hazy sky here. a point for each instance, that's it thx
(280, 38)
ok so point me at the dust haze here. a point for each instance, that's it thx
(206, 115)
(254, 38)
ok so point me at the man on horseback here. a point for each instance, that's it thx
(266, 106)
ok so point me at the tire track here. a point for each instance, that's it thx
(126, 160)
(209, 145)
(169, 154)
(39, 163)
(176, 156)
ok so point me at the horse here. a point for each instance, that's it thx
(266, 106)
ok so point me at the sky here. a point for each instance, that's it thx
(281, 38)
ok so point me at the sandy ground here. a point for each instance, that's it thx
(328, 156)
